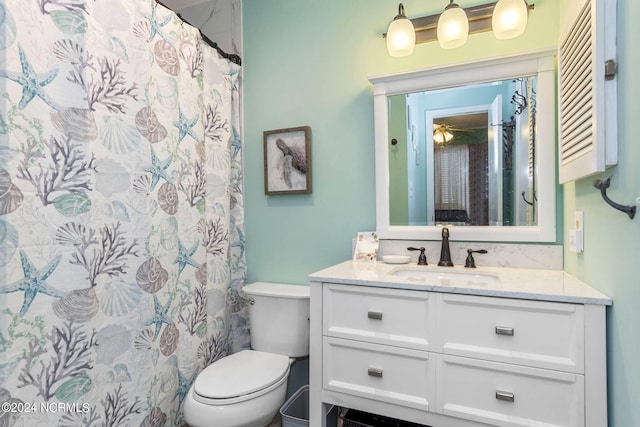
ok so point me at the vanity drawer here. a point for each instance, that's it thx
(533, 333)
(384, 373)
(505, 395)
(379, 315)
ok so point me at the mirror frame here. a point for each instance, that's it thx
(540, 63)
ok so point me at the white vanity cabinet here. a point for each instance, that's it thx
(511, 362)
(477, 356)
(375, 344)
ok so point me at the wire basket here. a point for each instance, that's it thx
(355, 418)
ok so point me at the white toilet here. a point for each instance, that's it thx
(247, 388)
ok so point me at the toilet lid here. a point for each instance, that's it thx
(240, 374)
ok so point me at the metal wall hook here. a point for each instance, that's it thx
(602, 186)
(525, 200)
(520, 101)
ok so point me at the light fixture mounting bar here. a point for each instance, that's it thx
(479, 22)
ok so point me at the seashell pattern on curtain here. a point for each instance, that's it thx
(121, 212)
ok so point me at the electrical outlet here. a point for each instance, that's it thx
(576, 235)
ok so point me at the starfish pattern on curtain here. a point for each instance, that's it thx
(121, 212)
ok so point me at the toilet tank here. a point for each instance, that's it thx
(279, 318)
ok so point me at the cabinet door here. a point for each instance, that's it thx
(505, 395)
(379, 315)
(588, 123)
(532, 333)
(379, 372)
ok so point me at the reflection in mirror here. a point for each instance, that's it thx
(470, 145)
(469, 157)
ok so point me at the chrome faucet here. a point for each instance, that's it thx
(445, 253)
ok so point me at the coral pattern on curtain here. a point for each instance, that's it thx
(121, 212)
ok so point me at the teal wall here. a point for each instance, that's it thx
(307, 63)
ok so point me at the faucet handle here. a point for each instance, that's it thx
(470, 262)
(422, 258)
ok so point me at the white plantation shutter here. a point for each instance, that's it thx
(588, 122)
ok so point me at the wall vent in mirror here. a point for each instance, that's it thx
(588, 108)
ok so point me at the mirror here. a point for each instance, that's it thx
(468, 155)
(469, 146)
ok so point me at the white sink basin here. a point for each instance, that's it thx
(444, 276)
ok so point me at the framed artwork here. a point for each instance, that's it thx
(287, 161)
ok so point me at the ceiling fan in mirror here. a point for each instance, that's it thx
(442, 133)
(463, 129)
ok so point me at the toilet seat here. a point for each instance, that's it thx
(241, 376)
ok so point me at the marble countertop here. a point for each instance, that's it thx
(521, 283)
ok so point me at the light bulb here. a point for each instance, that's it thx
(453, 27)
(509, 18)
(401, 36)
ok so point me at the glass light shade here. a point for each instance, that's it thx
(401, 37)
(441, 135)
(509, 19)
(453, 27)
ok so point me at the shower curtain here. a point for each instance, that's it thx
(121, 212)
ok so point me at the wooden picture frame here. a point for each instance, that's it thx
(287, 161)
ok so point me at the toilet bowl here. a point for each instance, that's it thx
(246, 389)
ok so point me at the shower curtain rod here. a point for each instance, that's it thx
(230, 56)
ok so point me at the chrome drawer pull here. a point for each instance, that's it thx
(504, 330)
(374, 372)
(376, 315)
(505, 395)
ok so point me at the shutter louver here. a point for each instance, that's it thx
(587, 131)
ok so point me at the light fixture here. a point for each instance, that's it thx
(441, 134)
(453, 27)
(507, 19)
(401, 36)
